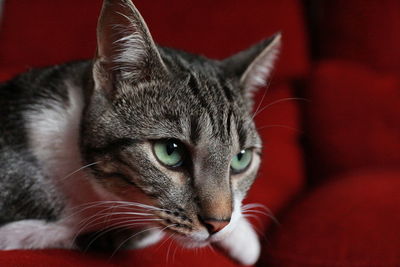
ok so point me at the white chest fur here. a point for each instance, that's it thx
(54, 138)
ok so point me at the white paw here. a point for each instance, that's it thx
(146, 239)
(34, 234)
(242, 245)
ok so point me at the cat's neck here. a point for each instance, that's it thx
(61, 158)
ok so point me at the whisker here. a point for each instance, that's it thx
(279, 101)
(103, 215)
(256, 211)
(116, 226)
(251, 208)
(104, 212)
(255, 217)
(131, 211)
(254, 205)
(169, 247)
(88, 221)
(262, 99)
(164, 241)
(259, 232)
(121, 204)
(211, 248)
(122, 213)
(149, 229)
(173, 254)
(78, 170)
(131, 219)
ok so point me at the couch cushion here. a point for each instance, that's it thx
(166, 255)
(353, 118)
(352, 221)
(281, 174)
(44, 32)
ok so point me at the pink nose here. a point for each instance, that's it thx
(215, 225)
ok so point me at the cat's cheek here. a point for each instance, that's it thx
(114, 188)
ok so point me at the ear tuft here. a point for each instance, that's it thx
(130, 51)
(125, 48)
(259, 71)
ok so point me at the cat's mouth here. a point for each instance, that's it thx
(186, 231)
(194, 240)
(193, 236)
(192, 232)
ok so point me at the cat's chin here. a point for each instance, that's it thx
(190, 243)
(196, 240)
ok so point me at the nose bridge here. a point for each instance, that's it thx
(213, 189)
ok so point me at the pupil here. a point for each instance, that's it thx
(171, 148)
(240, 155)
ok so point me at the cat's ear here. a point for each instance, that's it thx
(254, 65)
(125, 48)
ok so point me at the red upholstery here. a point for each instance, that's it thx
(353, 107)
(42, 32)
(216, 29)
(353, 132)
(165, 255)
(351, 221)
(281, 171)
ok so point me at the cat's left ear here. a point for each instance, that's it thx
(254, 65)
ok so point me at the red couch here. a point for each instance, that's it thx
(350, 213)
(345, 139)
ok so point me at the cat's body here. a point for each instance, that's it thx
(141, 138)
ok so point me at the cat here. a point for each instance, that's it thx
(143, 137)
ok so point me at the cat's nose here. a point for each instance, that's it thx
(215, 225)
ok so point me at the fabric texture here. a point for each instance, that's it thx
(348, 216)
(353, 118)
(47, 32)
(350, 221)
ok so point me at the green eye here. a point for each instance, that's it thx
(169, 152)
(241, 161)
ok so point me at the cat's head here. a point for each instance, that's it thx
(171, 129)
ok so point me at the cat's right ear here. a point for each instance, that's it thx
(125, 48)
(254, 65)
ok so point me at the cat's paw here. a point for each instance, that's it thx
(35, 234)
(242, 245)
(146, 239)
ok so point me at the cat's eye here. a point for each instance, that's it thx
(169, 152)
(241, 161)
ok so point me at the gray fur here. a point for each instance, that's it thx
(25, 189)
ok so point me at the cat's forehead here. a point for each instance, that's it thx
(191, 109)
(180, 63)
(194, 102)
